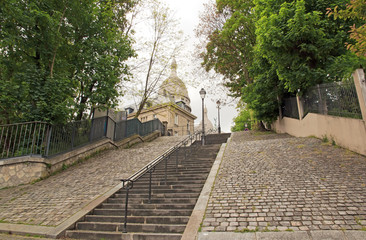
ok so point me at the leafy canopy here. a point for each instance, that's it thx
(60, 58)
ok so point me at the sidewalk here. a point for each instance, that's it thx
(272, 185)
(46, 205)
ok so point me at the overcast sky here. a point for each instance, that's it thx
(187, 12)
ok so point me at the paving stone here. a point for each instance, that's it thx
(287, 182)
(55, 199)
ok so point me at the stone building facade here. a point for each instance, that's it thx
(171, 106)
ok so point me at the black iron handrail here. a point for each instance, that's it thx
(150, 168)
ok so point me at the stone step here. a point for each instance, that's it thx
(161, 182)
(143, 212)
(177, 172)
(171, 204)
(161, 185)
(131, 227)
(139, 219)
(158, 191)
(132, 205)
(159, 196)
(155, 200)
(98, 235)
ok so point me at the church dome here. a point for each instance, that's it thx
(173, 89)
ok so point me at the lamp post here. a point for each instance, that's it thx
(203, 95)
(218, 114)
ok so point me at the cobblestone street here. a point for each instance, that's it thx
(278, 182)
(53, 200)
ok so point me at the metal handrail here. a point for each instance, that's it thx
(150, 168)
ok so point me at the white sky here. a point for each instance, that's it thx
(187, 12)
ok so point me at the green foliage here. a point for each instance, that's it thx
(242, 121)
(300, 41)
(262, 95)
(59, 58)
(355, 10)
(230, 48)
(270, 49)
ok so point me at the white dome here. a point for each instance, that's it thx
(174, 88)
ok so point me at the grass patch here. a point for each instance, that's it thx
(3, 221)
(259, 133)
(34, 236)
(200, 228)
(289, 230)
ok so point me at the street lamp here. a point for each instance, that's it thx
(218, 114)
(203, 95)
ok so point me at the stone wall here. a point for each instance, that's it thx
(23, 170)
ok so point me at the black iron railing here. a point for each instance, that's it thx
(336, 99)
(23, 139)
(40, 138)
(150, 168)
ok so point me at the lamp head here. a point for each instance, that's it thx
(203, 93)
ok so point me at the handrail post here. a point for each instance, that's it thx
(166, 169)
(176, 160)
(151, 170)
(185, 151)
(48, 140)
(129, 186)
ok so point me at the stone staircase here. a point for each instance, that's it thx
(217, 138)
(166, 216)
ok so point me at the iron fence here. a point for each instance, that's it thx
(39, 138)
(66, 137)
(336, 99)
(23, 139)
(289, 108)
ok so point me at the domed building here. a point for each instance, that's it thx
(174, 90)
(171, 106)
(208, 124)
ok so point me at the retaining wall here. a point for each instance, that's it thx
(23, 170)
(345, 132)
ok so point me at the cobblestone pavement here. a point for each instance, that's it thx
(53, 200)
(272, 182)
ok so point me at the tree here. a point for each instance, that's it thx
(101, 49)
(229, 27)
(355, 10)
(243, 120)
(300, 41)
(263, 95)
(30, 30)
(155, 50)
(58, 58)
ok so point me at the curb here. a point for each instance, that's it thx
(298, 235)
(199, 210)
